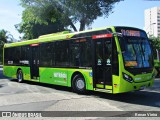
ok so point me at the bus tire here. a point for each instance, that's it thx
(19, 76)
(78, 84)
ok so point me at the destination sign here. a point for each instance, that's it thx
(131, 33)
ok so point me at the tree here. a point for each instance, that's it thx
(155, 41)
(68, 12)
(5, 37)
(32, 30)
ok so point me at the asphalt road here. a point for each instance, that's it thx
(30, 96)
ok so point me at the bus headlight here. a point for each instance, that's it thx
(127, 78)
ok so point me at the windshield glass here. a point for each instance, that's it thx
(137, 52)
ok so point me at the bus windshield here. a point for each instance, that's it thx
(137, 52)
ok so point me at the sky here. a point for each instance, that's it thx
(125, 13)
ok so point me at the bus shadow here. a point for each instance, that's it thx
(145, 98)
(2, 76)
(57, 87)
(1, 85)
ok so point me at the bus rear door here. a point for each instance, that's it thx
(34, 61)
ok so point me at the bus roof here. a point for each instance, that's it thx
(64, 35)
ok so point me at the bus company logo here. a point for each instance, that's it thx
(60, 75)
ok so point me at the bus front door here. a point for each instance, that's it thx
(34, 62)
(103, 62)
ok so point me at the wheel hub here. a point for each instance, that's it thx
(80, 84)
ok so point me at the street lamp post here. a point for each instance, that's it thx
(148, 33)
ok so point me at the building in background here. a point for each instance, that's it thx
(152, 21)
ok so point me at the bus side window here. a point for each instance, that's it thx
(17, 55)
(86, 56)
(74, 53)
(61, 53)
(46, 54)
(80, 52)
(25, 55)
(10, 56)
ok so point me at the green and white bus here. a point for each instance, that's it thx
(113, 59)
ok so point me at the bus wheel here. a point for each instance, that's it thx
(19, 76)
(78, 84)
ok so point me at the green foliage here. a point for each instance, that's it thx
(1, 52)
(155, 44)
(62, 13)
(33, 30)
(5, 37)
